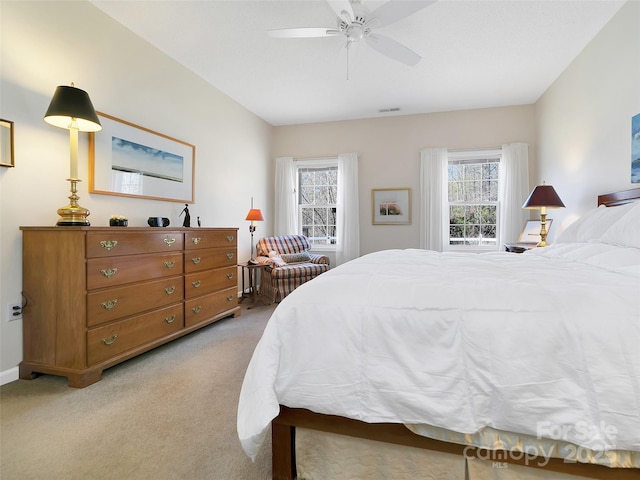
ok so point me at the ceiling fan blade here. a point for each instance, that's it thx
(393, 49)
(342, 9)
(303, 32)
(395, 10)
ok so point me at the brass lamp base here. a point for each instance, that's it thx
(543, 230)
(73, 215)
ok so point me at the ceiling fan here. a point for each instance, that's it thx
(356, 22)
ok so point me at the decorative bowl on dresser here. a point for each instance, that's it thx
(96, 296)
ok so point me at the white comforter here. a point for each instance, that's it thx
(545, 343)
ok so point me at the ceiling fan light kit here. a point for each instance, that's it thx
(355, 22)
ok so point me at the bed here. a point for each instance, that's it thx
(494, 365)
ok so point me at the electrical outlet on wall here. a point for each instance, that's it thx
(14, 311)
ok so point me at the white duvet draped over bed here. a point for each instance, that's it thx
(546, 343)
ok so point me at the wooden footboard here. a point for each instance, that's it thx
(283, 445)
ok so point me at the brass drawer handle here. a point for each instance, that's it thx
(109, 272)
(229, 276)
(110, 340)
(169, 264)
(108, 244)
(229, 298)
(169, 241)
(196, 260)
(230, 238)
(196, 310)
(196, 240)
(109, 304)
(170, 319)
(196, 284)
(170, 290)
(229, 256)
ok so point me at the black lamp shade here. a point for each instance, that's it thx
(543, 196)
(72, 103)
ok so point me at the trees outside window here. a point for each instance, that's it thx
(317, 202)
(473, 201)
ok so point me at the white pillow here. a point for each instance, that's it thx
(593, 224)
(625, 231)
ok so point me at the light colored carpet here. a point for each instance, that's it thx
(167, 414)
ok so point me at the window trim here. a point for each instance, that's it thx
(314, 163)
(473, 156)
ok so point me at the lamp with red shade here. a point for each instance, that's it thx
(543, 197)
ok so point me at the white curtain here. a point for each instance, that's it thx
(286, 210)
(348, 213)
(434, 200)
(514, 189)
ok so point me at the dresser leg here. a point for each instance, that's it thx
(84, 379)
(27, 373)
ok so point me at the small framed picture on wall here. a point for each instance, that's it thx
(6, 144)
(391, 206)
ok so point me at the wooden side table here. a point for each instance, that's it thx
(251, 291)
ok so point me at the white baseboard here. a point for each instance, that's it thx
(8, 376)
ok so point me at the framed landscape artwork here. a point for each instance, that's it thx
(133, 161)
(391, 206)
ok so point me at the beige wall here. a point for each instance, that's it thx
(578, 132)
(584, 119)
(45, 44)
(389, 154)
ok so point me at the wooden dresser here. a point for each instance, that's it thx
(97, 296)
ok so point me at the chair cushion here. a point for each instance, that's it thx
(299, 270)
(291, 258)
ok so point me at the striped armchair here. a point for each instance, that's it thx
(280, 280)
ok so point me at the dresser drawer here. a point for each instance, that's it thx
(209, 239)
(196, 260)
(113, 303)
(201, 283)
(116, 243)
(202, 308)
(108, 272)
(115, 338)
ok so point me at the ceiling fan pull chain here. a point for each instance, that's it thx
(348, 61)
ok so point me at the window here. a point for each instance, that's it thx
(473, 186)
(317, 201)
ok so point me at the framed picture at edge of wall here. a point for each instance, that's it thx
(6, 143)
(635, 149)
(132, 161)
(391, 206)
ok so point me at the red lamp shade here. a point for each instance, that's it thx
(255, 215)
(543, 196)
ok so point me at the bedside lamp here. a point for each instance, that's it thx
(254, 215)
(543, 197)
(72, 109)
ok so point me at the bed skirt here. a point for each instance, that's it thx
(316, 447)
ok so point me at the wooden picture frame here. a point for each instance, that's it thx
(531, 231)
(7, 156)
(132, 161)
(391, 206)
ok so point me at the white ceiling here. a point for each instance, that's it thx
(475, 53)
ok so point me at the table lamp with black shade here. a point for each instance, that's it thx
(543, 197)
(71, 108)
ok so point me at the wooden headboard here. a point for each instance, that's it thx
(619, 198)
